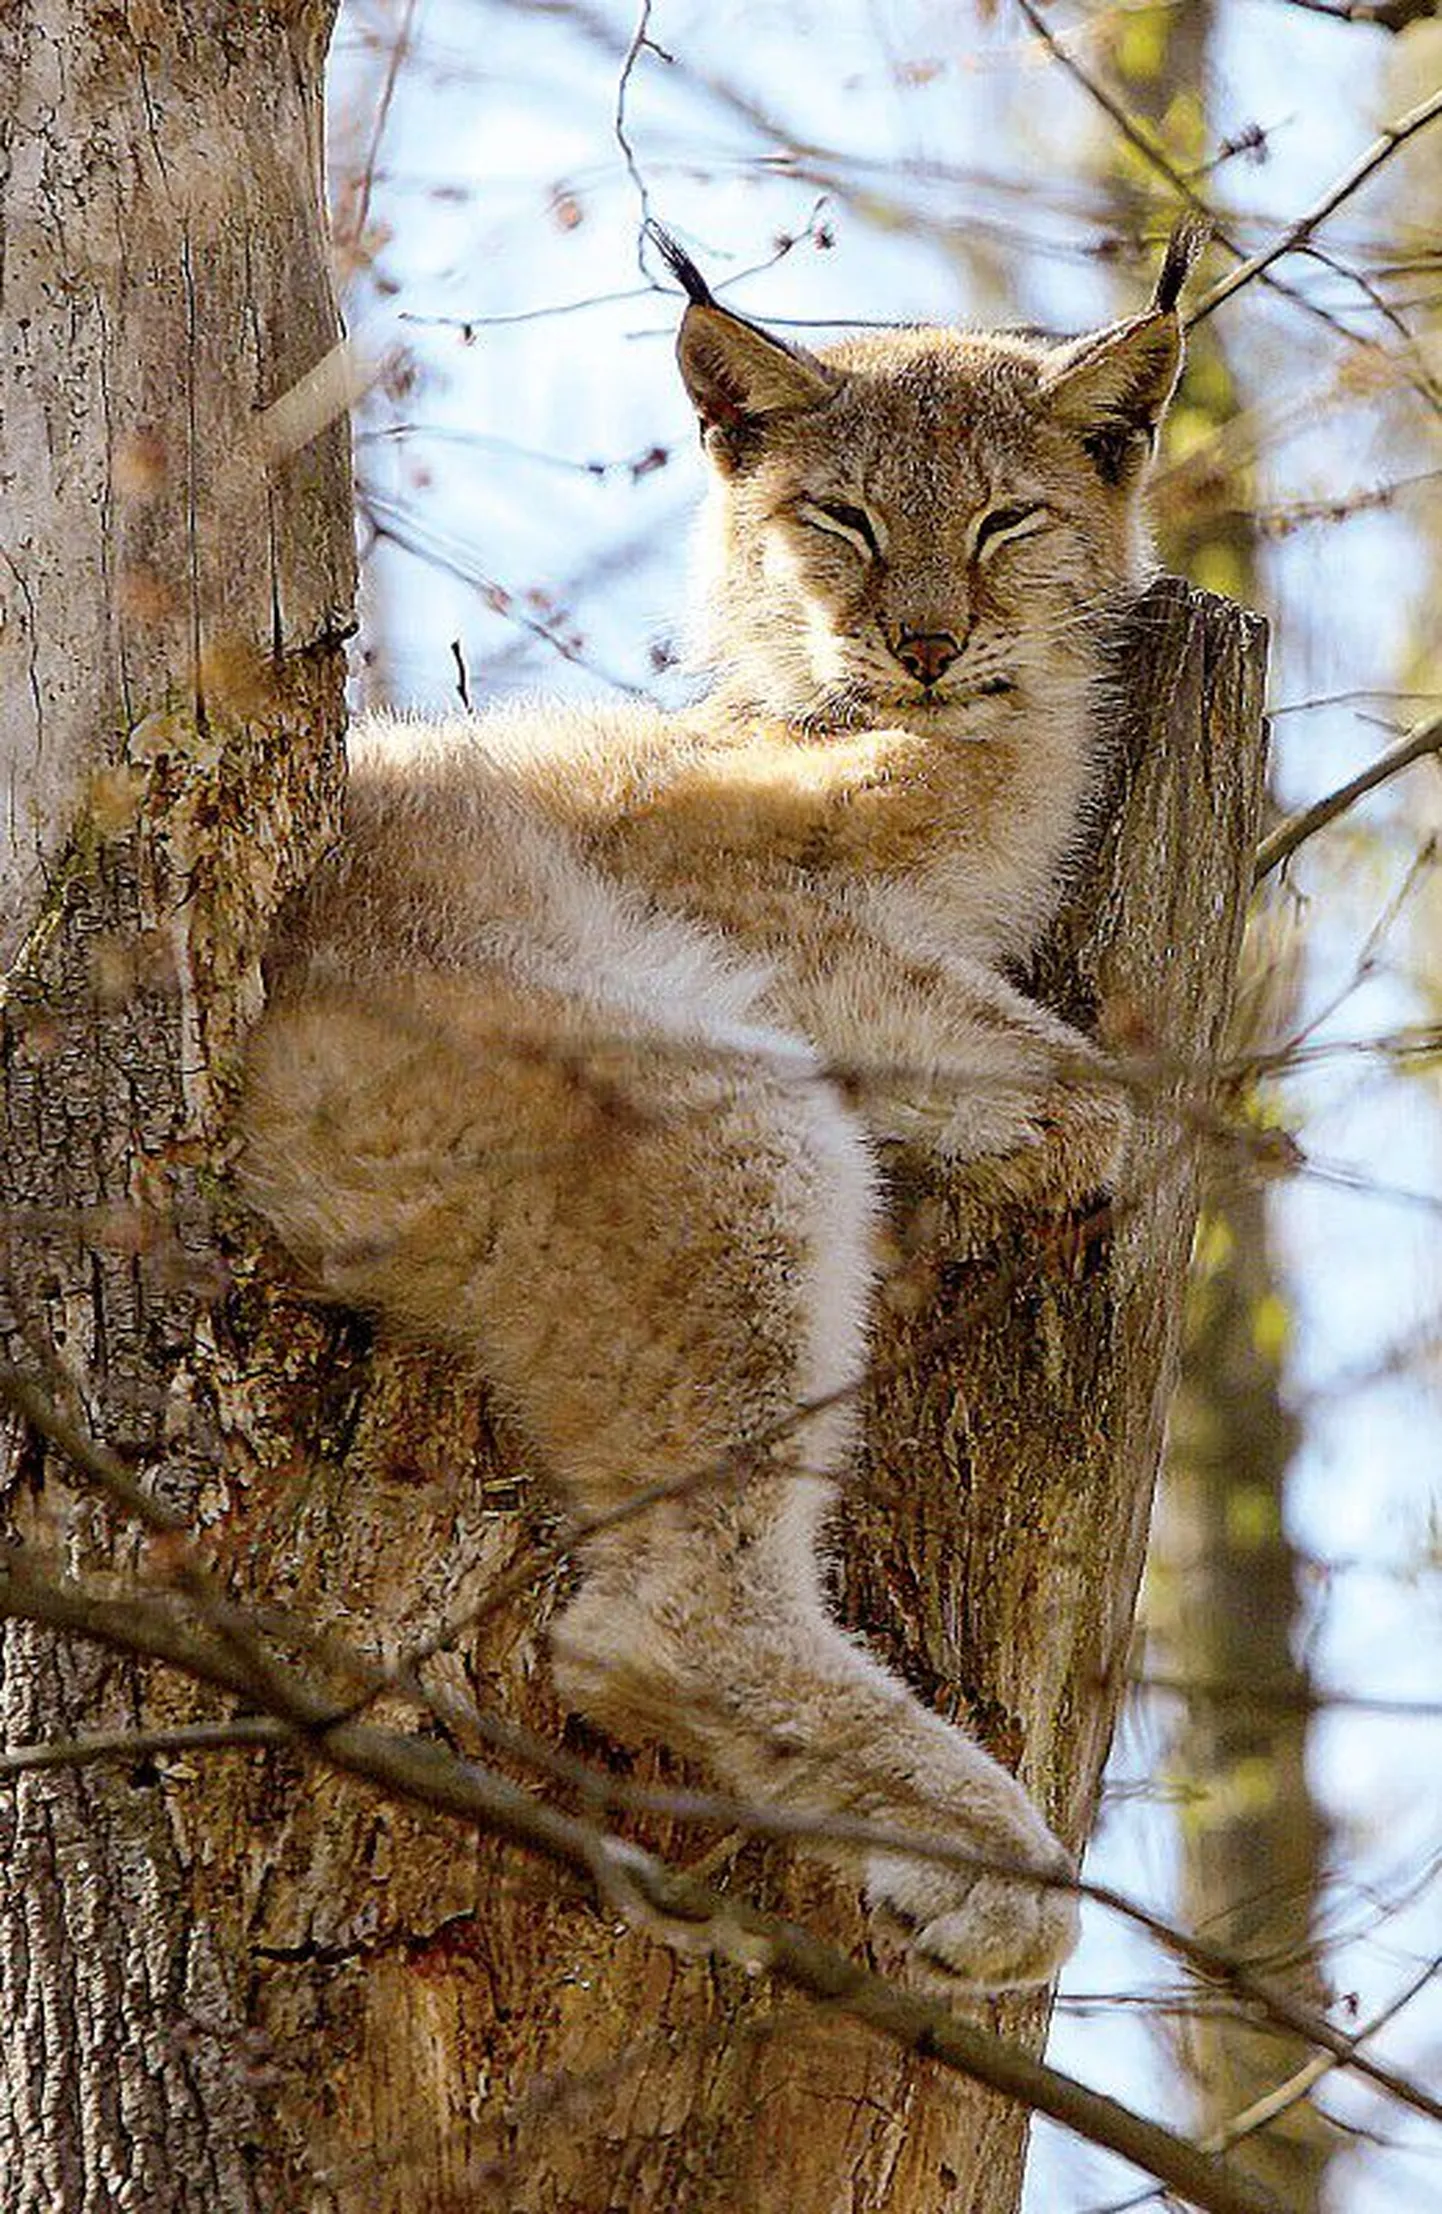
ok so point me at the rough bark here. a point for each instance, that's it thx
(170, 697)
(1018, 1473)
(223, 1983)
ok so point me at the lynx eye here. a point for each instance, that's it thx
(840, 521)
(1001, 523)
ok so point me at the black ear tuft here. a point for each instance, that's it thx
(680, 264)
(1184, 250)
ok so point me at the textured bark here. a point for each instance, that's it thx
(170, 697)
(225, 1983)
(1018, 1473)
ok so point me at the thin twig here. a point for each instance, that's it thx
(1282, 1698)
(1271, 2105)
(395, 526)
(641, 42)
(1140, 141)
(398, 52)
(1216, 1966)
(1153, 155)
(635, 1882)
(1283, 2096)
(463, 682)
(1424, 738)
(1378, 15)
(1383, 147)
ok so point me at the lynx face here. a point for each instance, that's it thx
(916, 527)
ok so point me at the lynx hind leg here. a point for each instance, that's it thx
(980, 1926)
(661, 1256)
(704, 1621)
(733, 1657)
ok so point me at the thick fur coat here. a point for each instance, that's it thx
(585, 1049)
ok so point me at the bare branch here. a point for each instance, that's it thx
(1272, 2104)
(1383, 147)
(641, 42)
(1344, 699)
(1139, 140)
(1283, 1698)
(635, 1882)
(1378, 15)
(1211, 1962)
(395, 525)
(1280, 844)
(399, 48)
(137, 1745)
(92, 1458)
(463, 683)
(149, 1628)
(1145, 145)
(1299, 2085)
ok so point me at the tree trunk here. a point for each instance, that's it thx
(172, 586)
(223, 1982)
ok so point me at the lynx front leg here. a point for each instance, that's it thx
(949, 1057)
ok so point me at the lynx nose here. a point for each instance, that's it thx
(926, 654)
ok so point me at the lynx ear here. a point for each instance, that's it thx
(1114, 386)
(737, 374)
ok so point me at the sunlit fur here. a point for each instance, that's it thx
(582, 1049)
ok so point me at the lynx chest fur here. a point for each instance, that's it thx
(584, 1049)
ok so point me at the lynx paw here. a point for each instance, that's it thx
(979, 1931)
(1067, 1150)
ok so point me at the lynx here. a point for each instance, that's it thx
(587, 1047)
